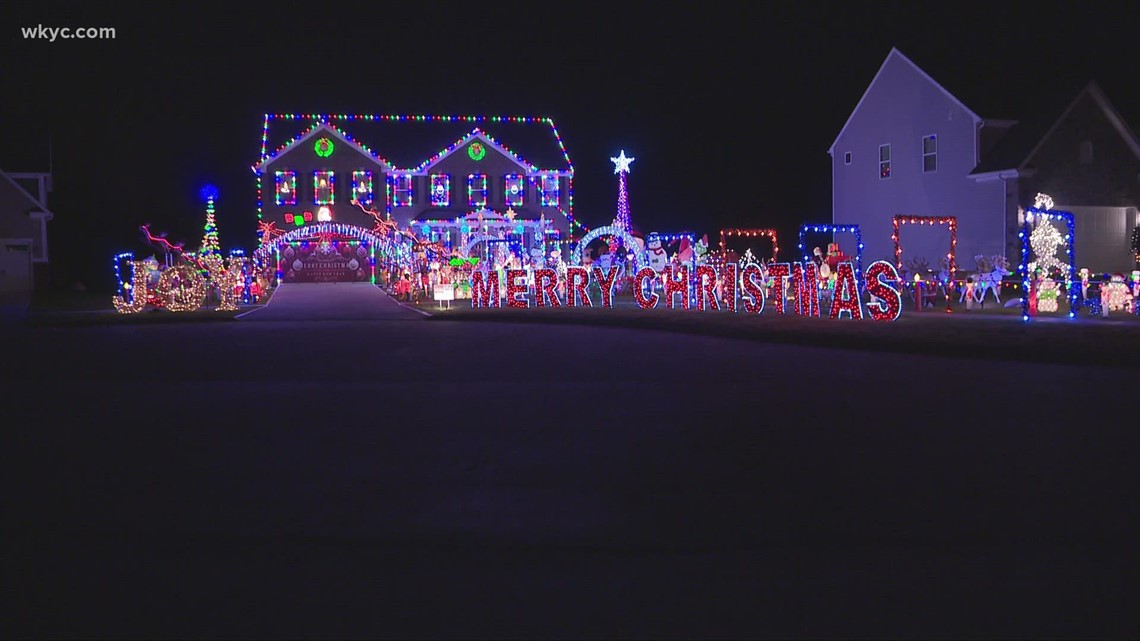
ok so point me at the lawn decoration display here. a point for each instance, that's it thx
(753, 232)
(183, 287)
(657, 254)
(833, 248)
(991, 271)
(739, 288)
(1116, 296)
(1038, 249)
(951, 223)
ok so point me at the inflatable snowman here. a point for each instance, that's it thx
(658, 257)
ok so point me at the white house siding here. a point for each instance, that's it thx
(900, 108)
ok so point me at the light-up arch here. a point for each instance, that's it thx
(609, 230)
(475, 240)
(384, 245)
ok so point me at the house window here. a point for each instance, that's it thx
(1086, 153)
(286, 188)
(440, 190)
(362, 187)
(323, 184)
(884, 161)
(847, 158)
(402, 190)
(513, 190)
(929, 153)
(548, 188)
(477, 190)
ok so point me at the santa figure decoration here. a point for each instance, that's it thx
(658, 257)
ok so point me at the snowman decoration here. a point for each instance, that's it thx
(658, 257)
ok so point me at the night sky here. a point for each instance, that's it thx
(715, 105)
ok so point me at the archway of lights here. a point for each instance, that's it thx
(631, 245)
(368, 245)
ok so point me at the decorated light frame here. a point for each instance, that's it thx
(285, 178)
(514, 190)
(951, 223)
(835, 229)
(402, 188)
(549, 189)
(326, 119)
(440, 190)
(1071, 284)
(362, 187)
(641, 259)
(324, 195)
(750, 232)
(477, 190)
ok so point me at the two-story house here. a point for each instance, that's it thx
(911, 148)
(23, 231)
(429, 174)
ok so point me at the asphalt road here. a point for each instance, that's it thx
(397, 477)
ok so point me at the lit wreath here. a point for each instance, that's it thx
(476, 151)
(323, 147)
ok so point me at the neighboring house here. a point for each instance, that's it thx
(912, 148)
(23, 231)
(419, 171)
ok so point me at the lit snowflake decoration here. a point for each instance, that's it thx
(1044, 241)
(1043, 202)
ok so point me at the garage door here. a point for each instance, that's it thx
(15, 266)
(1103, 237)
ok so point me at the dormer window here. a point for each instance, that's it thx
(477, 190)
(362, 187)
(549, 190)
(286, 187)
(324, 183)
(440, 190)
(513, 190)
(402, 194)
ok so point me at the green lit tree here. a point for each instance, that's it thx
(210, 244)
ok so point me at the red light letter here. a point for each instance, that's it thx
(676, 286)
(513, 289)
(780, 272)
(886, 302)
(754, 287)
(731, 280)
(607, 285)
(706, 286)
(545, 280)
(577, 279)
(805, 283)
(643, 301)
(846, 296)
(484, 289)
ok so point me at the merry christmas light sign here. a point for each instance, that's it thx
(730, 288)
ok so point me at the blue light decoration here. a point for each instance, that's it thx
(836, 229)
(630, 244)
(514, 188)
(362, 187)
(123, 290)
(440, 190)
(208, 193)
(286, 187)
(549, 189)
(402, 192)
(1044, 216)
(238, 255)
(477, 190)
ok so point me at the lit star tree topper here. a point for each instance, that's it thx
(621, 168)
(210, 244)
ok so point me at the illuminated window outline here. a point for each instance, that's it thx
(403, 194)
(327, 194)
(291, 176)
(477, 196)
(440, 198)
(362, 177)
(519, 196)
(550, 196)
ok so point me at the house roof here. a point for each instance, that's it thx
(1017, 147)
(314, 129)
(31, 199)
(413, 143)
(895, 54)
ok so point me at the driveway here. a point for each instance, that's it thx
(330, 302)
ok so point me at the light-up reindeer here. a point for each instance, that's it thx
(991, 271)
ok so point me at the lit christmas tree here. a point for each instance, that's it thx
(210, 245)
(621, 168)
